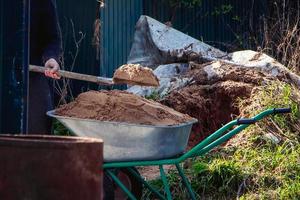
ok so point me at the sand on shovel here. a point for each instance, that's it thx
(135, 74)
(121, 106)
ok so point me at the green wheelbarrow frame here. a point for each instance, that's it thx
(202, 148)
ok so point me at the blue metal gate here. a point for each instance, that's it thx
(118, 21)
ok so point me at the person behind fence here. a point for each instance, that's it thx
(46, 50)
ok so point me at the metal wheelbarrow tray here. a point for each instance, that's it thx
(129, 142)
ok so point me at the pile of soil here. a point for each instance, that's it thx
(135, 74)
(121, 106)
(213, 101)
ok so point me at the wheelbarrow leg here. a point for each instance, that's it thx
(165, 181)
(121, 185)
(146, 184)
(186, 182)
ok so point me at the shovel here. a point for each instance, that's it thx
(77, 76)
(94, 79)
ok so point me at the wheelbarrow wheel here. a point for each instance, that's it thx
(130, 181)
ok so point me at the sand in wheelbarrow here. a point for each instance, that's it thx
(121, 106)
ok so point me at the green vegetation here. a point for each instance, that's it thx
(189, 3)
(153, 96)
(262, 162)
(60, 130)
(222, 10)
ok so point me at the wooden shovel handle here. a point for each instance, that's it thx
(73, 75)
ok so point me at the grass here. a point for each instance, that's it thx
(60, 130)
(155, 96)
(252, 165)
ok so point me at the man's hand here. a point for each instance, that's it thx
(52, 68)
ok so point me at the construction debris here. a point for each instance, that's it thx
(157, 44)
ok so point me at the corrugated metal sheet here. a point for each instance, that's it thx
(76, 17)
(204, 22)
(118, 21)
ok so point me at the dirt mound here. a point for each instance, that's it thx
(121, 106)
(212, 105)
(212, 99)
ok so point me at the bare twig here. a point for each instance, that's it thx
(282, 33)
(65, 90)
(241, 186)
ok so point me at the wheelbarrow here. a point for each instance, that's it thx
(157, 153)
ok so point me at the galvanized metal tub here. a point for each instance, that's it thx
(131, 142)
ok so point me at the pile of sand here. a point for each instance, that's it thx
(135, 74)
(121, 106)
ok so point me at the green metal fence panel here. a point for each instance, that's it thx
(118, 22)
(14, 65)
(76, 19)
(217, 22)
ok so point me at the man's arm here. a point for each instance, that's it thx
(53, 51)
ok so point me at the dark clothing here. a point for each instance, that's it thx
(45, 35)
(45, 43)
(40, 101)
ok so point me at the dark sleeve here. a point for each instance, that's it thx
(53, 48)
